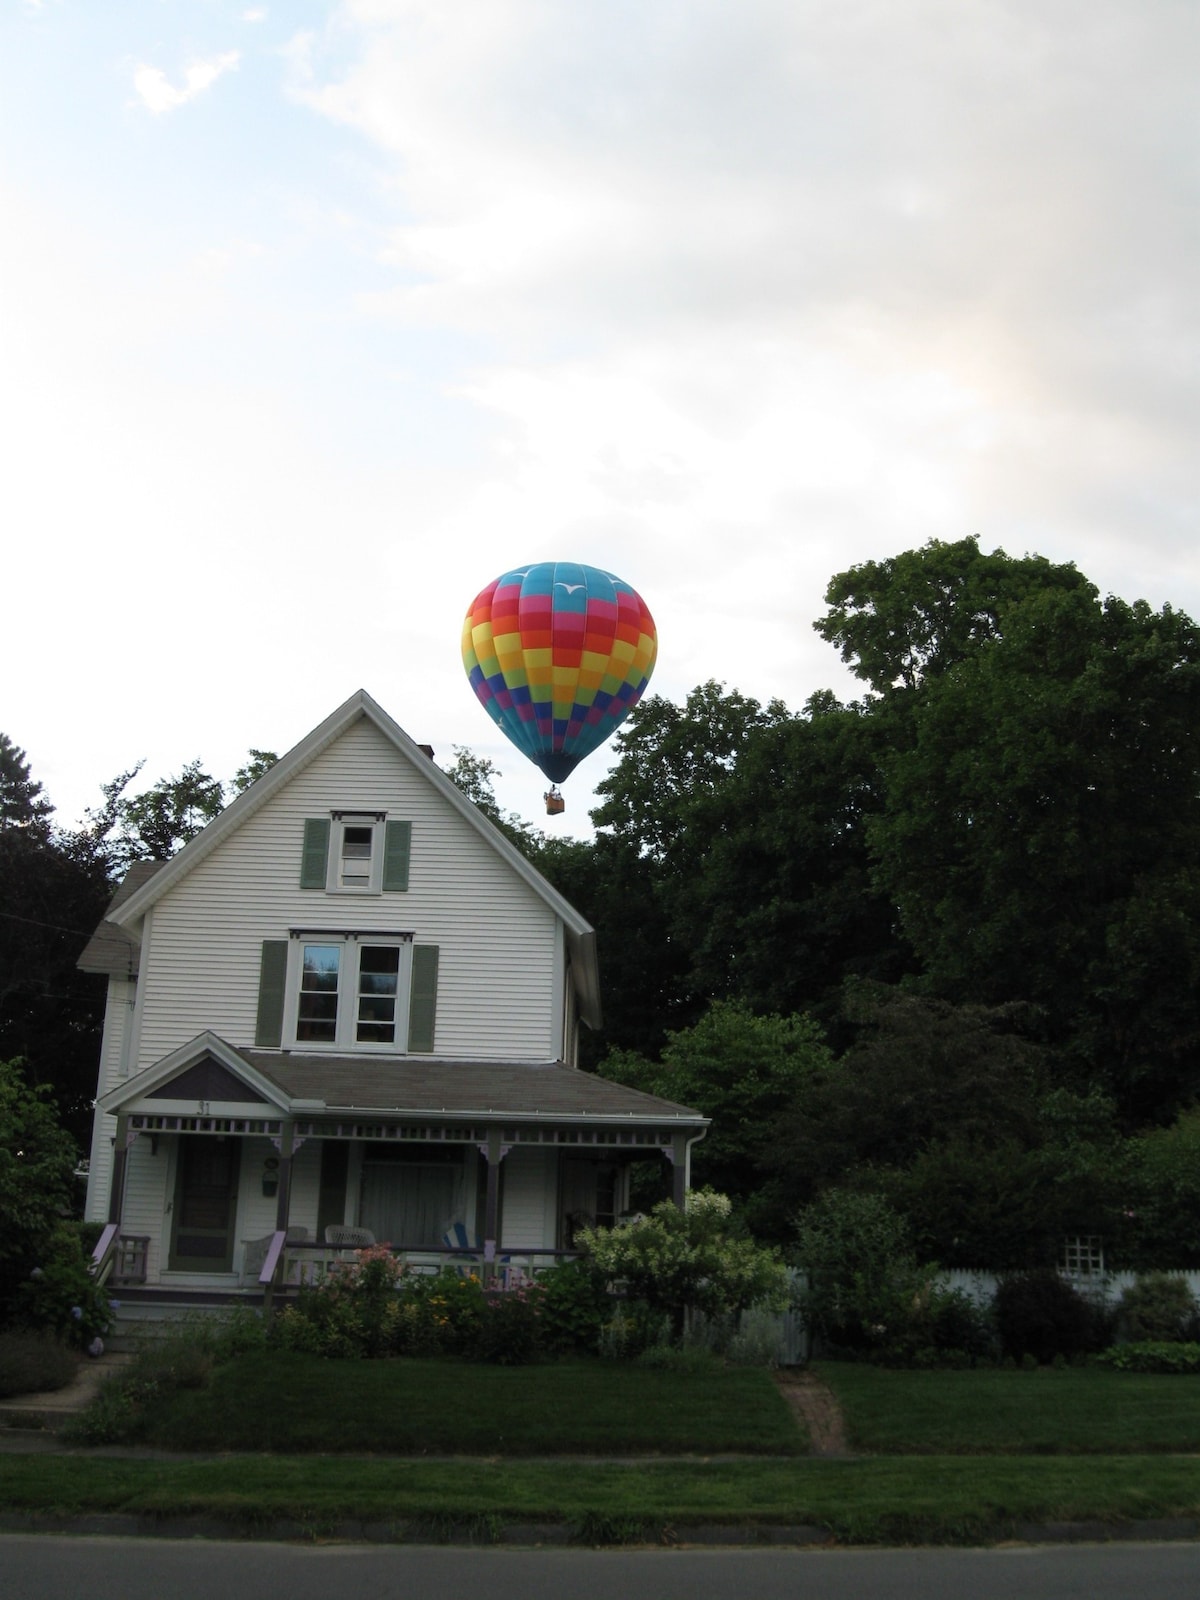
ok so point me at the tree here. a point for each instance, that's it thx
(258, 762)
(1040, 834)
(919, 1071)
(743, 1071)
(22, 803)
(669, 757)
(780, 907)
(53, 892)
(910, 618)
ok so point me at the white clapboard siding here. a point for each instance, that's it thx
(149, 1184)
(529, 1195)
(496, 936)
(118, 1021)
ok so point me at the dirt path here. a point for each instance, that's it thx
(816, 1408)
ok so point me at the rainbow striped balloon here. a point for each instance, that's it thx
(559, 654)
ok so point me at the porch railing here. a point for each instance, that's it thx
(285, 1264)
(119, 1256)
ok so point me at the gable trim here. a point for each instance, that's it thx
(149, 1083)
(580, 934)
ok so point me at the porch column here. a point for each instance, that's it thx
(116, 1194)
(679, 1155)
(495, 1151)
(284, 1196)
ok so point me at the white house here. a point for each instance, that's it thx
(351, 1002)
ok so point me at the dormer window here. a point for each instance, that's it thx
(355, 852)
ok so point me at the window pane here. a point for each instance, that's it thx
(316, 1019)
(378, 970)
(356, 857)
(321, 964)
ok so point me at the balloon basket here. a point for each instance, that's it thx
(555, 804)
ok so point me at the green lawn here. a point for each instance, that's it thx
(934, 1500)
(1079, 1410)
(284, 1401)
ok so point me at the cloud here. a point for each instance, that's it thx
(158, 94)
(898, 267)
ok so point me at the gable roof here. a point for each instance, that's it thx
(125, 913)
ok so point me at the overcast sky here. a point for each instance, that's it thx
(315, 318)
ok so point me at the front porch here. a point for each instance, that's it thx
(237, 1172)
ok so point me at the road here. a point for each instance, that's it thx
(40, 1567)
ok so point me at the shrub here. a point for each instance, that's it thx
(574, 1307)
(862, 1274)
(1040, 1315)
(509, 1333)
(37, 1160)
(31, 1363)
(1158, 1306)
(676, 1261)
(1153, 1355)
(61, 1295)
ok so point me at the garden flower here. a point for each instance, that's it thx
(77, 1313)
(96, 1348)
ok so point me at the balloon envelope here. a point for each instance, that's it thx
(558, 654)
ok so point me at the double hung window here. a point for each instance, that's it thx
(350, 990)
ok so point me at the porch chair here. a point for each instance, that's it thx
(347, 1239)
(457, 1238)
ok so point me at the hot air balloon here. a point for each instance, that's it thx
(559, 654)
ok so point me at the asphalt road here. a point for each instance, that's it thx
(41, 1567)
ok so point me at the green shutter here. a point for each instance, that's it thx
(314, 863)
(272, 979)
(397, 846)
(422, 1005)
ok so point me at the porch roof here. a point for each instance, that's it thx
(460, 1088)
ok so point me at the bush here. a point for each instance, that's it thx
(862, 1274)
(1153, 1355)
(509, 1333)
(1159, 1306)
(60, 1294)
(677, 1261)
(31, 1363)
(37, 1162)
(1040, 1315)
(574, 1307)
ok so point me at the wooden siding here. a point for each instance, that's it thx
(530, 1191)
(495, 935)
(118, 1021)
(149, 1185)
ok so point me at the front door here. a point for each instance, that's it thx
(205, 1204)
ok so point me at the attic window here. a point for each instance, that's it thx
(356, 853)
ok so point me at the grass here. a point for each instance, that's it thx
(285, 1401)
(1082, 1410)
(963, 1458)
(882, 1501)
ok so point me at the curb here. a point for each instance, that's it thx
(468, 1531)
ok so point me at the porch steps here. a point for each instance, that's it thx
(143, 1315)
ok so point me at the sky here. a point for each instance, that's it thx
(315, 318)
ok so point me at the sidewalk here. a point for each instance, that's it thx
(25, 1414)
